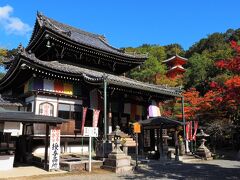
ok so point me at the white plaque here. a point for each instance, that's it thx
(90, 131)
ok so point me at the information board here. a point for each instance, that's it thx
(90, 132)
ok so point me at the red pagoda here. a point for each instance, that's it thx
(175, 66)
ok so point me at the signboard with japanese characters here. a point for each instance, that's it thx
(90, 132)
(54, 156)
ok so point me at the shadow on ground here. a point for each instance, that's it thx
(178, 170)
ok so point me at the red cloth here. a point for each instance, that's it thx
(195, 130)
(187, 130)
(190, 131)
(189, 135)
(58, 86)
(84, 113)
(95, 117)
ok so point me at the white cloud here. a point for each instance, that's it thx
(11, 24)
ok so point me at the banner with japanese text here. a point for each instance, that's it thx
(54, 150)
(95, 117)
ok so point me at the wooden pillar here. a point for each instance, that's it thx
(105, 106)
(158, 142)
(183, 120)
(176, 145)
(109, 124)
(161, 142)
(46, 147)
(23, 129)
(141, 142)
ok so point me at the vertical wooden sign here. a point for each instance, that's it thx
(54, 156)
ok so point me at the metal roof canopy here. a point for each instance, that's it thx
(28, 117)
(158, 121)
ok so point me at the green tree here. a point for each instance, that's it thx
(148, 70)
(3, 53)
(199, 68)
(152, 66)
(215, 46)
(174, 49)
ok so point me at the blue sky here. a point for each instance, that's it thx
(124, 22)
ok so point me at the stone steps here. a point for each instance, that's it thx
(79, 165)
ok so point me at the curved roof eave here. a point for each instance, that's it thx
(87, 74)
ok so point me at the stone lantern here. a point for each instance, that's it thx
(202, 150)
(117, 160)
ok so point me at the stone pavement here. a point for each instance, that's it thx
(26, 171)
(215, 169)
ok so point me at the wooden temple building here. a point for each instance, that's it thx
(175, 66)
(64, 69)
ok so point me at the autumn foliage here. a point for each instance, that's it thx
(221, 99)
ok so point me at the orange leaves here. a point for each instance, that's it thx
(233, 82)
(192, 96)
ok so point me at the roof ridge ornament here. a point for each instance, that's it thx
(45, 21)
(22, 51)
(20, 48)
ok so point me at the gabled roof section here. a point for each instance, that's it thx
(79, 36)
(174, 57)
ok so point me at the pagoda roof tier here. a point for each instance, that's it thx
(65, 71)
(177, 68)
(176, 57)
(78, 42)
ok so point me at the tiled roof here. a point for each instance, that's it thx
(28, 59)
(82, 37)
(8, 101)
(160, 120)
(176, 56)
(97, 76)
(27, 117)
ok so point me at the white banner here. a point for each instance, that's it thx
(54, 156)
